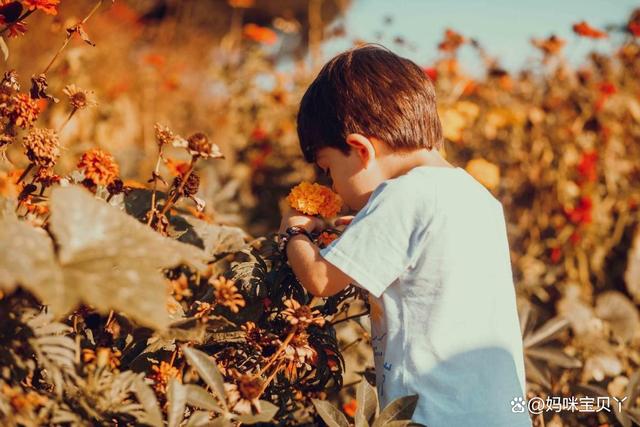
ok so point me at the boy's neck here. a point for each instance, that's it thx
(397, 164)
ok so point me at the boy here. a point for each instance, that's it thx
(428, 242)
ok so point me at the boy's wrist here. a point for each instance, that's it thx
(290, 233)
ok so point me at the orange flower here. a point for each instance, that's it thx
(350, 407)
(485, 172)
(226, 293)
(162, 374)
(99, 166)
(585, 30)
(314, 199)
(260, 34)
(550, 46)
(325, 238)
(47, 6)
(452, 41)
(15, 29)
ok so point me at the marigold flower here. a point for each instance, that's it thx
(325, 238)
(78, 98)
(204, 308)
(20, 401)
(99, 166)
(162, 373)
(47, 6)
(583, 29)
(301, 315)
(244, 396)
(485, 172)
(42, 147)
(226, 294)
(260, 34)
(20, 110)
(314, 199)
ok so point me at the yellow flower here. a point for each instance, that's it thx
(314, 199)
(485, 172)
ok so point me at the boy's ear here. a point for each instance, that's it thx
(362, 146)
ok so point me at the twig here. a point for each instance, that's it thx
(69, 35)
(350, 317)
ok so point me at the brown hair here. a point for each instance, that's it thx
(372, 91)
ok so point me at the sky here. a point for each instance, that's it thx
(503, 27)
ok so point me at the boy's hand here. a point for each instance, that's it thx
(343, 220)
(292, 217)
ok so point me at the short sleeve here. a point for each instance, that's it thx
(382, 239)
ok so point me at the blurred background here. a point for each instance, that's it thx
(540, 101)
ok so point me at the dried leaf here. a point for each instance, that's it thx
(401, 408)
(330, 414)
(109, 259)
(267, 411)
(367, 399)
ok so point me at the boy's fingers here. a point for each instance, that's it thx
(345, 220)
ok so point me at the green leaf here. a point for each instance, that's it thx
(177, 397)
(367, 399)
(109, 259)
(200, 398)
(401, 408)
(330, 414)
(208, 370)
(267, 411)
(147, 399)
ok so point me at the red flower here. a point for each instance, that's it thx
(580, 214)
(634, 28)
(587, 167)
(585, 30)
(350, 407)
(556, 255)
(607, 88)
(431, 72)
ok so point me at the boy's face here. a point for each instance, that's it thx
(350, 178)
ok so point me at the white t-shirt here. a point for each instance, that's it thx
(431, 248)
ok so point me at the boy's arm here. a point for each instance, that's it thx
(318, 276)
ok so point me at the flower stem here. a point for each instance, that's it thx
(350, 317)
(24, 174)
(69, 35)
(172, 200)
(67, 120)
(155, 187)
(284, 345)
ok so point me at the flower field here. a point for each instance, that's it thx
(147, 152)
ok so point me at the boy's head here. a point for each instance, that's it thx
(367, 105)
